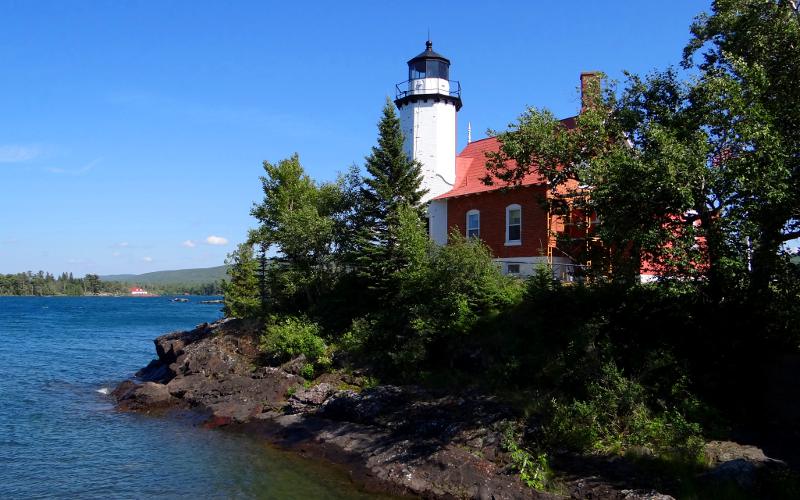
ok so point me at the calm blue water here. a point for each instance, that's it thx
(60, 437)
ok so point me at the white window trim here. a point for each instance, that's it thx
(473, 212)
(513, 243)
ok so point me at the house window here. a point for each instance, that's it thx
(473, 224)
(512, 268)
(513, 225)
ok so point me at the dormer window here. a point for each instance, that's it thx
(473, 224)
(513, 225)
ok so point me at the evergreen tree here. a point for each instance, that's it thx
(92, 283)
(263, 267)
(241, 291)
(393, 183)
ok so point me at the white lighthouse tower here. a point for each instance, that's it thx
(428, 102)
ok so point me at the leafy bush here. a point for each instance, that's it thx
(289, 337)
(616, 417)
(356, 337)
(307, 371)
(441, 294)
(533, 467)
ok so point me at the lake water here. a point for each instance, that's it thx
(60, 436)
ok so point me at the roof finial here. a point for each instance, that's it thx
(429, 43)
(469, 132)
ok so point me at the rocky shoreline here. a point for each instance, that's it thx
(399, 440)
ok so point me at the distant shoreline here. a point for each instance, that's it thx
(111, 296)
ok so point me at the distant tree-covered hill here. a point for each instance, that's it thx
(186, 276)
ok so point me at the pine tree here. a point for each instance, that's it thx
(393, 182)
(241, 291)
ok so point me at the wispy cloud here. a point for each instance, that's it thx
(216, 240)
(122, 244)
(147, 259)
(189, 244)
(75, 171)
(13, 153)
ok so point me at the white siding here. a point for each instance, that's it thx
(430, 137)
(437, 220)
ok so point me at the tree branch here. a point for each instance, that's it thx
(790, 235)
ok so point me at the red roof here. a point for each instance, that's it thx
(471, 168)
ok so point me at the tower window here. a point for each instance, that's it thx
(416, 70)
(473, 224)
(513, 225)
(437, 69)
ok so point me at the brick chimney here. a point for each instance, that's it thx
(590, 82)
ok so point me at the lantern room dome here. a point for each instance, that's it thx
(429, 54)
(429, 64)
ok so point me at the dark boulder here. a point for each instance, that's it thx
(305, 400)
(143, 397)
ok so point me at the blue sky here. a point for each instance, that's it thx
(132, 133)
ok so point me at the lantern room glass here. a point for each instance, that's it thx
(428, 68)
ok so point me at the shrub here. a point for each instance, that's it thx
(615, 417)
(290, 336)
(533, 467)
(443, 298)
(307, 371)
(355, 338)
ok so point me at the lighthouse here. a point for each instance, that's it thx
(428, 102)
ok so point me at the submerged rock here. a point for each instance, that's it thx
(143, 397)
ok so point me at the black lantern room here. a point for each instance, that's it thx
(428, 64)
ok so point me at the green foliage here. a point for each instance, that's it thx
(303, 221)
(288, 337)
(393, 179)
(307, 371)
(42, 284)
(389, 192)
(750, 100)
(616, 417)
(356, 339)
(533, 467)
(241, 290)
(441, 293)
(459, 284)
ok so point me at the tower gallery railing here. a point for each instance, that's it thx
(405, 89)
